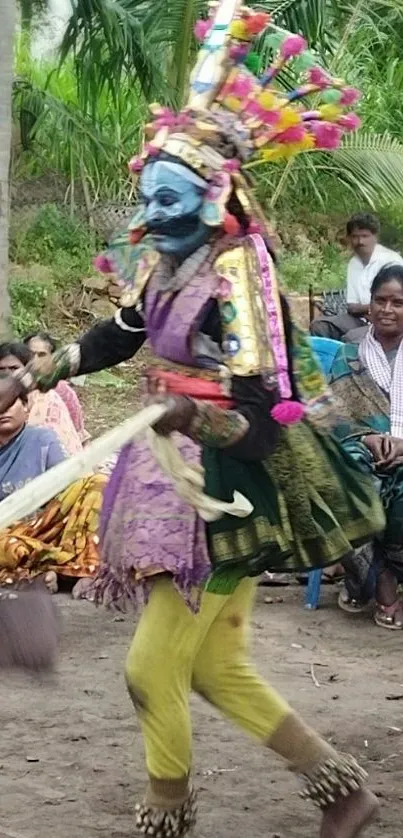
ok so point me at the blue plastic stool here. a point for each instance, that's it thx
(325, 350)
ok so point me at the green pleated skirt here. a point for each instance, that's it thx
(312, 506)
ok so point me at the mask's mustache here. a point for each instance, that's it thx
(178, 227)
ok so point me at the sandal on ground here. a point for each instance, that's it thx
(351, 605)
(385, 616)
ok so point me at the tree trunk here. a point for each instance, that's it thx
(7, 28)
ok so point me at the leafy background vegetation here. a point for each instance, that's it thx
(79, 115)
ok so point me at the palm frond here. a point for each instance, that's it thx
(371, 164)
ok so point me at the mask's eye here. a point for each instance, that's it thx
(167, 198)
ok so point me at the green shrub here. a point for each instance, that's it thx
(51, 237)
(28, 301)
(322, 267)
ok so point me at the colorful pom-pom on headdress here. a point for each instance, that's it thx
(233, 115)
(238, 111)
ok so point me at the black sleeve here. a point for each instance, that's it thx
(255, 403)
(112, 341)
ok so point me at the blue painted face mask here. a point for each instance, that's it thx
(172, 197)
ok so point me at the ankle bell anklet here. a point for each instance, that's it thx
(165, 823)
(332, 779)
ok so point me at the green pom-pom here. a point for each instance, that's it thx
(253, 62)
(304, 62)
(331, 97)
(275, 39)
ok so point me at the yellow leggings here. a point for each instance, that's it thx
(173, 651)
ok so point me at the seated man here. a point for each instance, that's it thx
(369, 257)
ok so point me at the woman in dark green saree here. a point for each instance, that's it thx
(368, 381)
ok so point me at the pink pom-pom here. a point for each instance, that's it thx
(241, 87)
(293, 134)
(232, 165)
(136, 164)
(349, 96)
(327, 134)
(350, 122)
(255, 228)
(152, 150)
(292, 46)
(288, 412)
(269, 117)
(318, 77)
(102, 264)
(202, 29)
(238, 52)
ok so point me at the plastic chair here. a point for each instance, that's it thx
(325, 350)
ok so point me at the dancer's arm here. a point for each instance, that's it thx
(105, 345)
(246, 432)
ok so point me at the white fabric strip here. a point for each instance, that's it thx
(375, 361)
(184, 172)
(122, 325)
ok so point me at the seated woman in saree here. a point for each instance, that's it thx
(42, 346)
(47, 410)
(60, 538)
(368, 379)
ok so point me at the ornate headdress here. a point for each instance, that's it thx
(236, 113)
(233, 115)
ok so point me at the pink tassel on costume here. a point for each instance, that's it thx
(292, 46)
(319, 77)
(202, 29)
(240, 87)
(327, 134)
(136, 165)
(349, 96)
(103, 264)
(238, 52)
(288, 412)
(152, 150)
(232, 165)
(349, 122)
(294, 134)
(255, 227)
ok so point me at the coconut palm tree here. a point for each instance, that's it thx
(149, 44)
(8, 16)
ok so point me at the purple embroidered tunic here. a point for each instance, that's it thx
(146, 529)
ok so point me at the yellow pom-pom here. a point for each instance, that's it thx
(330, 113)
(307, 143)
(239, 31)
(273, 154)
(288, 117)
(267, 100)
(232, 103)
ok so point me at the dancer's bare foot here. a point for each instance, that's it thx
(348, 816)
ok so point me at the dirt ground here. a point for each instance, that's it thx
(71, 759)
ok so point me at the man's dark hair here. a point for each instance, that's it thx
(45, 336)
(363, 221)
(16, 348)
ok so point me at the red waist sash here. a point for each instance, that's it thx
(196, 388)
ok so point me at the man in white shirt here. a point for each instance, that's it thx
(369, 257)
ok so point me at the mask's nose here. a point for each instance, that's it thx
(154, 212)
